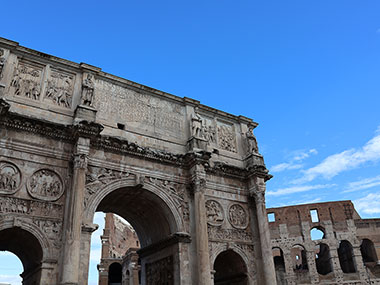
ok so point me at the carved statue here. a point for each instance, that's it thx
(2, 62)
(251, 140)
(10, 178)
(88, 86)
(196, 124)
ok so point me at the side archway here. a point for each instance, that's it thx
(230, 268)
(27, 248)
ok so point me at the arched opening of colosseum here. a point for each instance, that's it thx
(279, 265)
(346, 257)
(317, 233)
(368, 251)
(154, 223)
(323, 259)
(27, 248)
(230, 268)
(115, 274)
(298, 254)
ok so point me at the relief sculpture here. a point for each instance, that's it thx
(10, 178)
(215, 214)
(59, 89)
(201, 129)
(238, 216)
(226, 138)
(160, 272)
(46, 185)
(9, 205)
(26, 81)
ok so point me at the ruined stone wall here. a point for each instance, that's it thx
(304, 258)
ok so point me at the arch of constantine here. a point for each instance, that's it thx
(75, 140)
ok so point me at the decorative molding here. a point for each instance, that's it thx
(220, 234)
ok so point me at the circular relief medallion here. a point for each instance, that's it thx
(46, 185)
(214, 212)
(10, 178)
(237, 216)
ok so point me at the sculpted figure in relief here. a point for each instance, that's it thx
(59, 89)
(25, 82)
(46, 185)
(251, 140)
(238, 216)
(226, 138)
(215, 214)
(10, 178)
(88, 86)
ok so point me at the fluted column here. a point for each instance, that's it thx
(257, 191)
(74, 215)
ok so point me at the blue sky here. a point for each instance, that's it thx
(307, 71)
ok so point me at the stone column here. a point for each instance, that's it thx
(74, 215)
(258, 193)
(358, 260)
(201, 235)
(87, 230)
(338, 273)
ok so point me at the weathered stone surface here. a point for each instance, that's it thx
(75, 140)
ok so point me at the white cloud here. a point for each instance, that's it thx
(294, 163)
(369, 204)
(285, 166)
(96, 254)
(298, 189)
(11, 279)
(304, 154)
(363, 184)
(346, 160)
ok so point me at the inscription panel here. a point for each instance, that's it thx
(138, 110)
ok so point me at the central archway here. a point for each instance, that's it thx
(156, 219)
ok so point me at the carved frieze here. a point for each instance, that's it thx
(52, 229)
(26, 81)
(9, 205)
(217, 233)
(227, 137)
(214, 212)
(237, 216)
(59, 89)
(160, 272)
(46, 185)
(10, 178)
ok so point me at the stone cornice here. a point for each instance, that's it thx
(125, 147)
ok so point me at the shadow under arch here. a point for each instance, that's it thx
(151, 211)
(27, 248)
(230, 268)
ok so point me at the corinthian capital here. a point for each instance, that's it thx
(257, 189)
(80, 161)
